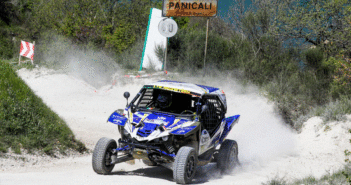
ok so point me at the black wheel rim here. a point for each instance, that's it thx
(108, 155)
(190, 166)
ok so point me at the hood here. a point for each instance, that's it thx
(144, 124)
(155, 119)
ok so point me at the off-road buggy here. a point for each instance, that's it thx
(173, 124)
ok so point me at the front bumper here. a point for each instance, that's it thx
(132, 150)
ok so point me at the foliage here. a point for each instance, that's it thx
(130, 58)
(26, 122)
(340, 177)
(6, 45)
(182, 22)
(317, 22)
(262, 42)
(341, 84)
(337, 109)
(110, 24)
(314, 57)
(187, 47)
(160, 51)
(120, 39)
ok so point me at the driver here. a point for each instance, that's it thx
(164, 100)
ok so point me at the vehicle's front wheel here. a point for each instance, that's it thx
(102, 155)
(227, 157)
(185, 164)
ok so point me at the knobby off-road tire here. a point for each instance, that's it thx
(102, 155)
(185, 164)
(149, 163)
(227, 157)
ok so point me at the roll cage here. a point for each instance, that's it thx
(183, 105)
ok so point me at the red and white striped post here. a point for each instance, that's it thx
(27, 50)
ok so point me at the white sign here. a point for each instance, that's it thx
(152, 40)
(168, 27)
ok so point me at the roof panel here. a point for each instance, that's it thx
(179, 86)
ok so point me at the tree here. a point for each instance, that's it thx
(5, 12)
(320, 23)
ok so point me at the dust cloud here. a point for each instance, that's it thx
(261, 133)
(94, 67)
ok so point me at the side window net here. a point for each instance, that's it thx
(147, 98)
(212, 118)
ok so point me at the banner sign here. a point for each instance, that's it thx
(189, 8)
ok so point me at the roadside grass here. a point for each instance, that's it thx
(340, 177)
(332, 111)
(336, 110)
(26, 122)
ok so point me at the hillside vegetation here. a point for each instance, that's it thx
(299, 52)
(26, 122)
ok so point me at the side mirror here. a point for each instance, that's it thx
(204, 108)
(126, 95)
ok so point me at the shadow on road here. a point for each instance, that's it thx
(152, 172)
(203, 173)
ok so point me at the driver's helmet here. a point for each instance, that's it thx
(164, 100)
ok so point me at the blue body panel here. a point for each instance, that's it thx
(160, 118)
(117, 119)
(180, 122)
(151, 121)
(230, 122)
(210, 89)
(147, 129)
(183, 131)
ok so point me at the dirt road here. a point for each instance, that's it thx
(267, 148)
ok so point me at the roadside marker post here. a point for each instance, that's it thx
(26, 50)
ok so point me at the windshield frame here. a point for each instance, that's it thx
(134, 105)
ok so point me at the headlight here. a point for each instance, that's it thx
(165, 138)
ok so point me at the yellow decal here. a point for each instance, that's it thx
(130, 117)
(172, 89)
(175, 122)
(145, 115)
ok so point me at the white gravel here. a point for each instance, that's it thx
(267, 148)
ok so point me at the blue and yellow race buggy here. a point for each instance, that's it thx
(173, 124)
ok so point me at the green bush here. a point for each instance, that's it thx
(341, 74)
(26, 122)
(130, 58)
(121, 38)
(187, 49)
(340, 177)
(314, 57)
(335, 110)
(6, 45)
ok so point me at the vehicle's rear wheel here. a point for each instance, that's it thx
(227, 157)
(149, 163)
(102, 155)
(185, 164)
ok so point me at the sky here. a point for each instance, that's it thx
(225, 5)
